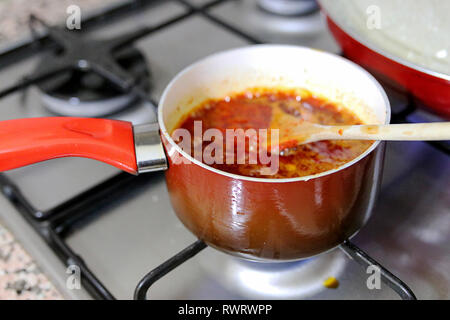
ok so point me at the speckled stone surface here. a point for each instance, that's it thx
(20, 277)
(14, 14)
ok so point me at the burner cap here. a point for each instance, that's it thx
(278, 280)
(288, 7)
(81, 93)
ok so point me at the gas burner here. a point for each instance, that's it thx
(84, 93)
(278, 280)
(89, 77)
(291, 28)
(289, 7)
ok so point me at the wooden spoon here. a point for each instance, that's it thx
(301, 132)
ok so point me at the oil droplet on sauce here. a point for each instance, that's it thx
(331, 283)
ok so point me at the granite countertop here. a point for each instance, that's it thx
(14, 14)
(20, 276)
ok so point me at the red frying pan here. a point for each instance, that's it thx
(430, 87)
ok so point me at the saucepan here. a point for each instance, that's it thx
(254, 218)
(402, 43)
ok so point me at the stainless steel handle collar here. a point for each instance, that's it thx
(150, 155)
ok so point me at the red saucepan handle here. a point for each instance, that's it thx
(27, 141)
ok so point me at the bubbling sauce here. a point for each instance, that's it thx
(255, 110)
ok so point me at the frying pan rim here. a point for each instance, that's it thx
(371, 46)
(369, 150)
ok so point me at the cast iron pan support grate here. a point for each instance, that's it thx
(364, 260)
(348, 247)
(96, 56)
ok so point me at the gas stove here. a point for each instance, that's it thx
(116, 227)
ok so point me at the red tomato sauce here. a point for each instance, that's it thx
(254, 110)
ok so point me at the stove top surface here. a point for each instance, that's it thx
(125, 238)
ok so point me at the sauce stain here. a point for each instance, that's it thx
(331, 283)
(370, 129)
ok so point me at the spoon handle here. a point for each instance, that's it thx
(415, 131)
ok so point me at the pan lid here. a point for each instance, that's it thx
(381, 26)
